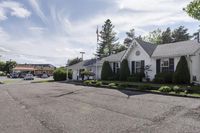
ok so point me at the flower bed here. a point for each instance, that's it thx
(176, 90)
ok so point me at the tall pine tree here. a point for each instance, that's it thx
(180, 34)
(108, 40)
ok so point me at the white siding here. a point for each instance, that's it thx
(195, 66)
(143, 56)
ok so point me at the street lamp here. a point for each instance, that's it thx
(82, 53)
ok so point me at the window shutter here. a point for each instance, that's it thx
(113, 67)
(142, 66)
(171, 65)
(133, 67)
(158, 66)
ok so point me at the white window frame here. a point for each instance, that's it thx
(116, 67)
(163, 65)
(138, 67)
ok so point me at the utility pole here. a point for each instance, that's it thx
(67, 72)
(82, 53)
(97, 32)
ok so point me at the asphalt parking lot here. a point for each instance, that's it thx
(66, 108)
(21, 80)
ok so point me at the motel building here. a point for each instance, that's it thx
(35, 69)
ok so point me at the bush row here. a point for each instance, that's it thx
(176, 89)
(165, 89)
(122, 74)
(60, 74)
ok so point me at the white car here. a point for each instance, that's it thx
(29, 77)
(44, 76)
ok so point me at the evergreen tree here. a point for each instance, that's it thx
(106, 72)
(108, 40)
(130, 37)
(182, 74)
(166, 36)
(74, 61)
(180, 34)
(119, 48)
(124, 72)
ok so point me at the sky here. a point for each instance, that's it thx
(53, 31)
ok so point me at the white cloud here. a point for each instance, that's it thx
(36, 7)
(14, 8)
(62, 39)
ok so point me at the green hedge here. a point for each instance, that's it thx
(59, 74)
(137, 77)
(164, 77)
(106, 73)
(124, 72)
(182, 74)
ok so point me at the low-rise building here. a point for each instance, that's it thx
(159, 58)
(35, 69)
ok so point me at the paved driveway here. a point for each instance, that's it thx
(65, 108)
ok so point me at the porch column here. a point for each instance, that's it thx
(189, 60)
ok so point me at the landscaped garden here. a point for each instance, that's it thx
(173, 83)
(171, 89)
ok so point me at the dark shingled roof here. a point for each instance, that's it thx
(148, 47)
(89, 62)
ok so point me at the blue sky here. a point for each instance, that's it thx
(52, 31)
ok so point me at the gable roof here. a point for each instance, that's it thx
(177, 49)
(113, 57)
(83, 64)
(89, 62)
(77, 65)
(148, 47)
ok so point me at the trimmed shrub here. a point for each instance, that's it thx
(2, 73)
(87, 82)
(145, 87)
(87, 73)
(182, 74)
(98, 83)
(177, 89)
(188, 89)
(165, 89)
(133, 79)
(123, 85)
(124, 72)
(137, 77)
(106, 73)
(115, 76)
(164, 77)
(112, 85)
(59, 74)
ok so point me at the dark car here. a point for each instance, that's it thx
(22, 75)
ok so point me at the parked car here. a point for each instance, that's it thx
(44, 76)
(14, 75)
(22, 75)
(29, 77)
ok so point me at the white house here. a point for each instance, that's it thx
(159, 58)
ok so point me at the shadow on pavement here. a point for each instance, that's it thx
(131, 93)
